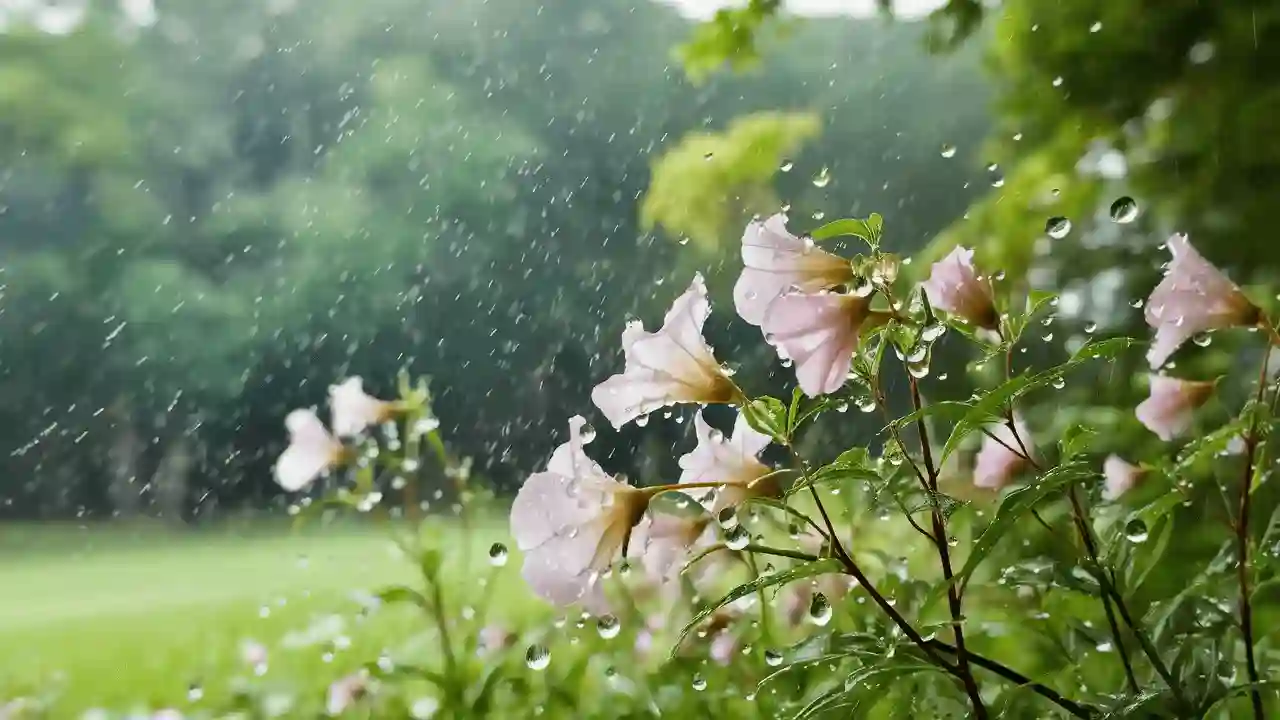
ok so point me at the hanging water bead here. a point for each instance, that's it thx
(728, 518)
(737, 538)
(786, 166)
(948, 150)
(1135, 531)
(1057, 227)
(699, 682)
(772, 658)
(537, 657)
(819, 610)
(1124, 210)
(498, 554)
(608, 626)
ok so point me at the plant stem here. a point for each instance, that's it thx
(1242, 541)
(442, 622)
(1014, 676)
(1086, 537)
(954, 600)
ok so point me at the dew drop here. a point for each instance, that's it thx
(537, 657)
(699, 682)
(1090, 328)
(1057, 82)
(1203, 339)
(1135, 531)
(948, 150)
(728, 518)
(586, 434)
(819, 610)
(1096, 27)
(608, 626)
(1124, 210)
(787, 165)
(1057, 227)
(498, 554)
(195, 692)
(772, 658)
(737, 538)
(1058, 383)
(822, 179)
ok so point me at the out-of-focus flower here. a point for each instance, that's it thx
(311, 452)
(673, 365)
(730, 460)
(166, 714)
(774, 262)
(1192, 298)
(570, 521)
(955, 286)
(1121, 477)
(820, 334)
(647, 636)
(724, 646)
(492, 639)
(345, 692)
(997, 462)
(1170, 408)
(253, 653)
(667, 540)
(353, 410)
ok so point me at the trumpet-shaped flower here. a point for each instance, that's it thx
(1192, 298)
(570, 521)
(1172, 404)
(312, 451)
(774, 262)
(673, 365)
(732, 460)
(1000, 458)
(353, 410)
(955, 286)
(820, 334)
(1120, 477)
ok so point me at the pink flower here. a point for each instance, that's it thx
(775, 261)
(570, 520)
(492, 639)
(311, 452)
(673, 365)
(729, 460)
(1194, 297)
(1120, 477)
(956, 287)
(723, 647)
(1169, 409)
(352, 410)
(818, 332)
(667, 540)
(345, 692)
(997, 462)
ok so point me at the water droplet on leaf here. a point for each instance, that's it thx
(537, 657)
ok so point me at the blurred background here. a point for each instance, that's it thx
(210, 211)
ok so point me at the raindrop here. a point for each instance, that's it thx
(1104, 646)
(1096, 27)
(195, 692)
(699, 682)
(948, 150)
(822, 179)
(786, 166)
(608, 626)
(728, 518)
(588, 433)
(1057, 82)
(1136, 531)
(772, 658)
(819, 214)
(932, 331)
(997, 181)
(1057, 227)
(497, 554)
(866, 404)
(737, 538)
(1124, 210)
(1090, 327)
(1058, 383)
(537, 657)
(819, 610)
(1203, 339)
(863, 287)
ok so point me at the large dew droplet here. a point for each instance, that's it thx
(1136, 531)
(728, 518)
(737, 538)
(819, 610)
(699, 682)
(537, 657)
(772, 658)
(498, 554)
(1057, 227)
(1124, 210)
(822, 179)
(608, 626)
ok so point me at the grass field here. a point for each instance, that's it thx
(127, 618)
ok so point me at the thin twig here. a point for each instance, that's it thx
(1018, 678)
(1242, 541)
(954, 600)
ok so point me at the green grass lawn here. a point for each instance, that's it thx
(129, 617)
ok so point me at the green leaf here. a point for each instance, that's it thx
(793, 414)
(1075, 440)
(1016, 505)
(799, 572)
(847, 226)
(865, 687)
(852, 464)
(402, 594)
(769, 416)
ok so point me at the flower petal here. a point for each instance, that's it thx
(820, 334)
(775, 261)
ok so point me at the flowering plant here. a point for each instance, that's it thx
(966, 560)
